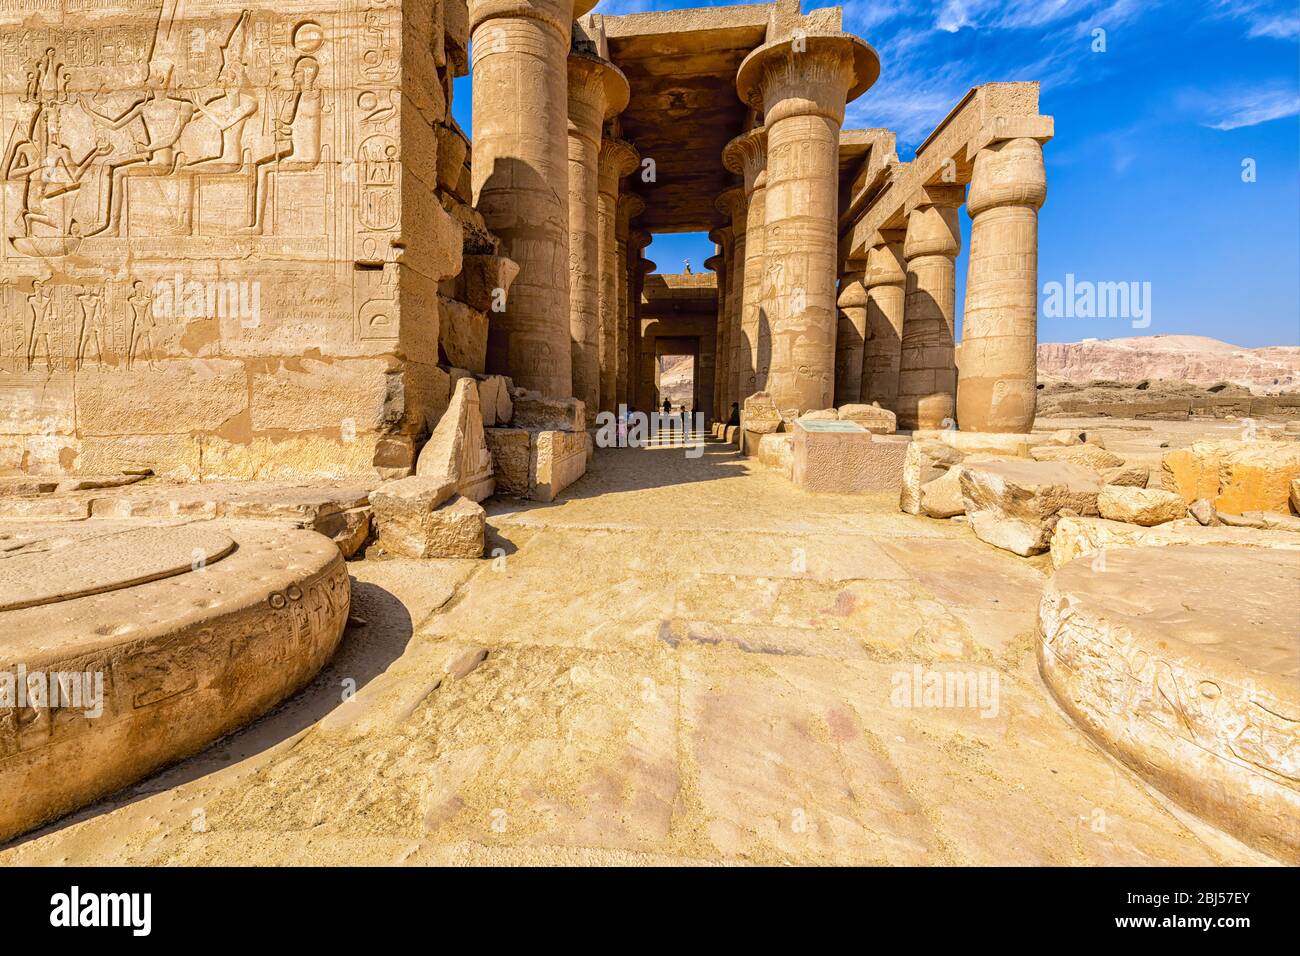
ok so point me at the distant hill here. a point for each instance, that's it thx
(1194, 359)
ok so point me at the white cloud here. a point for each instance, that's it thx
(1240, 109)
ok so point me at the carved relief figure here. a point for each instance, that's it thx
(142, 324)
(157, 120)
(38, 329)
(297, 135)
(231, 108)
(90, 326)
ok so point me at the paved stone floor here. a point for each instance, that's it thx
(681, 661)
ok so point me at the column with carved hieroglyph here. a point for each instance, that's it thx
(520, 178)
(998, 380)
(801, 84)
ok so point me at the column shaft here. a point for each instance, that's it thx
(997, 383)
(520, 181)
(850, 337)
(927, 378)
(885, 281)
(617, 159)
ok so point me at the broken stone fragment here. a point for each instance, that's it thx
(457, 452)
(1014, 505)
(877, 420)
(486, 280)
(421, 517)
(760, 415)
(462, 335)
(1264, 520)
(1129, 476)
(494, 400)
(924, 462)
(534, 410)
(1202, 509)
(1090, 456)
(1076, 536)
(941, 498)
(1258, 478)
(1144, 506)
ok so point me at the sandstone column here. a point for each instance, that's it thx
(717, 264)
(732, 205)
(746, 155)
(885, 281)
(851, 336)
(597, 91)
(801, 84)
(630, 206)
(520, 179)
(722, 239)
(617, 159)
(645, 363)
(998, 381)
(927, 378)
(637, 240)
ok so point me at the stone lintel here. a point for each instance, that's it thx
(1001, 128)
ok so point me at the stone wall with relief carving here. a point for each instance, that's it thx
(221, 246)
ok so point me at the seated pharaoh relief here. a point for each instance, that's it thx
(215, 128)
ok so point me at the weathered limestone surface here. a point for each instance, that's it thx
(880, 421)
(198, 637)
(222, 245)
(617, 159)
(777, 452)
(760, 414)
(424, 517)
(1144, 506)
(843, 457)
(1200, 704)
(1015, 505)
(535, 411)
(537, 464)
(457, 452)
(1236, 476)
(746, 155)
(1076, 535)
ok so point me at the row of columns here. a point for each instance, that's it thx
(902, 302)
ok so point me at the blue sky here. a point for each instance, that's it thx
(1145, 174)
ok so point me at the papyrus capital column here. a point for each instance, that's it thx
(746, 155)
(885, 282)
(597, 91)
(617, 159)
(520, 179)
(998, 380)
(927, 380)
(801, 85)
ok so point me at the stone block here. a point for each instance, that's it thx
(1258, 478)
(559, 458)
(1076, 536)
(1144, 506)
(924, 462)
(776, 451)
(462, 335)
(760, 414)
(1014, 505)
(731, 434)
(1090, 456)
(511, 450)
(1129, 476)
(457, 451)
(536, 412)
(424, 518)
(494, 400)
(486, 280)
(842, 456)
(877, 420)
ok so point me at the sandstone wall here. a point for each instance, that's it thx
(223, 234)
